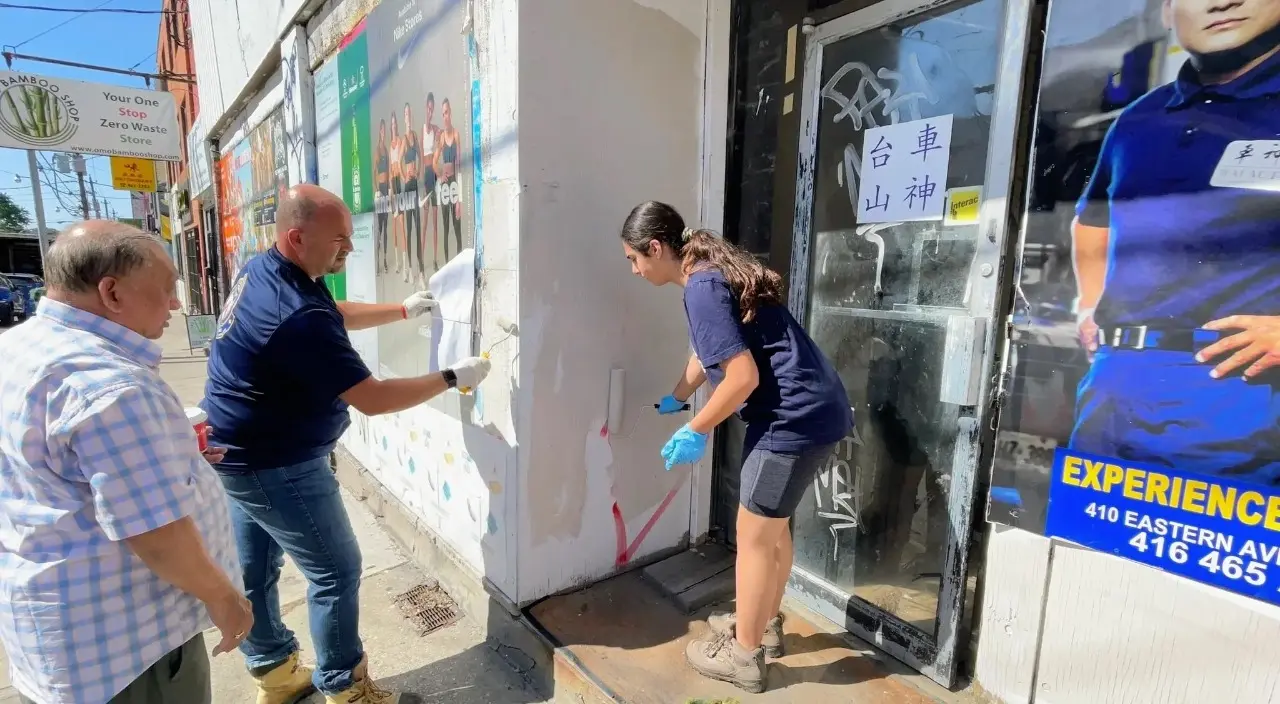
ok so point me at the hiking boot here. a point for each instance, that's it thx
(723, 658)
(363, 689)
(772, 642)
(285, 683)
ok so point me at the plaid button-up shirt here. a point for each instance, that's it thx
(94, 448)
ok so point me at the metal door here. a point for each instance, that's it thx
(904, 308)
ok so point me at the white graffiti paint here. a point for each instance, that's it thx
(894, 104)
(881, 97)
(837, 492)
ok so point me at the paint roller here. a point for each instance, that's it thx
(507, 326)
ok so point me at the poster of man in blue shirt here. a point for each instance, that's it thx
(1146, 319)
(1176, 252)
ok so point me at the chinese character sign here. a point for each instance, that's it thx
(904, 171)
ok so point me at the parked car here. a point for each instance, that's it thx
(27, 284)
(9, 297)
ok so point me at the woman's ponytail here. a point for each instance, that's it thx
(754, 284)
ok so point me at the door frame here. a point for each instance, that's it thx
(934, 656)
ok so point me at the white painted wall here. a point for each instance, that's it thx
(1066, 625)
(611, 105)
(232, 40)
(256, 109)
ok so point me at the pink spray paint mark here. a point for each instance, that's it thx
(627, 552)
(604, 430)
(620, 532)
(648, 526)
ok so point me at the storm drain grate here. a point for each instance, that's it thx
(428, 608)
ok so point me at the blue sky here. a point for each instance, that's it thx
(107, 39)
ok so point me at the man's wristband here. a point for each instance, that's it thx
(450, 378)
(404, 313)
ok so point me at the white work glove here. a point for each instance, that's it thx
(419, 304)
(471, 371)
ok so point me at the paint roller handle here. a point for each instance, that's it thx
(671, 404)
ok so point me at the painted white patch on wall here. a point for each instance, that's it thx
(691, 15)
(584, 178)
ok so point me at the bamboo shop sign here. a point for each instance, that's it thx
(45, 112)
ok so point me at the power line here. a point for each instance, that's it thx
(141, 60)
(9, 56)
(81, 13)
(122, 11)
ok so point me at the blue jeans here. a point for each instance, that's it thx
(298, 510)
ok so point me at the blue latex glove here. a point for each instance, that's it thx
(685, 447)
(669, 405)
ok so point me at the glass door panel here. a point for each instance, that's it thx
(902, 307)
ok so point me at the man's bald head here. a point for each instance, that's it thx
(313, 230)
(88, 252)
(114, 271)
(303, 204)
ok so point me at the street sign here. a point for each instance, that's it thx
(45, 112)
(133, 174)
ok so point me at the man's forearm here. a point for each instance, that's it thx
(177, 555)
(360, 316)
(1089, 256)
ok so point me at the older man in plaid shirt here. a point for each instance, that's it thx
(116, 548)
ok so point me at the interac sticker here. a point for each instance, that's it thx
(962, 206)
(1214, 530)
(130, 174)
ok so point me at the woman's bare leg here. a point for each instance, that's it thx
(757, 574)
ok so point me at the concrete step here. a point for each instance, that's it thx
(623, 640)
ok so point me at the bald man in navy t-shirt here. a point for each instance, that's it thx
(282, 374)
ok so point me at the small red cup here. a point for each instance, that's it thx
(200, 423)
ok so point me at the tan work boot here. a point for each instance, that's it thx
(286, 683)
(363, 689)
(723, 658)
(772, 642)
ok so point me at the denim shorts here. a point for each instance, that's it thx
(774, 482)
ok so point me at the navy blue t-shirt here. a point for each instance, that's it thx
(800, 401)
(277, 367)
(1188, 244)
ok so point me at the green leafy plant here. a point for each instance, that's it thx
(13, 217)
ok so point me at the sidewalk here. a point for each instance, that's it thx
(454, 665)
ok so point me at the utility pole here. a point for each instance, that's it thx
(78, 162)
(39, 205)
(93, 196)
